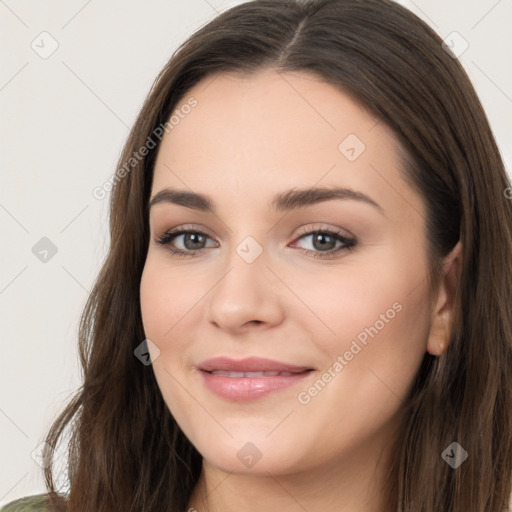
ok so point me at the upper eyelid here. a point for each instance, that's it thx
(303, 231)
(179, 230)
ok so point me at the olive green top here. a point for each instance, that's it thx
(35, 503)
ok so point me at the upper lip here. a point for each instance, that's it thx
(250, 364)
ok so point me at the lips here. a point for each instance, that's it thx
(251, 378)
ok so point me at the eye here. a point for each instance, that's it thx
(191, 240)
(325, 242)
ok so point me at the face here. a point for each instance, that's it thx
(331, 287)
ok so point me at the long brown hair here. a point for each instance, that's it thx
(126, 452)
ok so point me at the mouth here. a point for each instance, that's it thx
(251, 378)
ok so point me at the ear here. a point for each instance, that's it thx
(442, 314)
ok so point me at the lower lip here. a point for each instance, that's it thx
(242, 389)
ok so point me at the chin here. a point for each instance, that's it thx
(254, 455)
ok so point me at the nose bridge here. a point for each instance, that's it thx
(245, 271)
(250, 250)
(246, 291)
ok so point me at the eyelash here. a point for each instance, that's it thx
(348, 243)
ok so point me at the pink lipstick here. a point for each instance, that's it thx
(251, 378)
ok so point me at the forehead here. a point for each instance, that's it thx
(271, 131)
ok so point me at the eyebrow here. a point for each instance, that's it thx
(284, 201)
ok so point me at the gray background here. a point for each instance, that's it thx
(64, 117)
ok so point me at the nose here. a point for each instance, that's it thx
(246, 296)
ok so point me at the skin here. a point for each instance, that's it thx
(249, 138)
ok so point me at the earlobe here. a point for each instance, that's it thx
(443, 312)
(438, 339)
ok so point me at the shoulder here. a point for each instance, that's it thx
(35, 503)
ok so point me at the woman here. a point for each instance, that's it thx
(305, 305)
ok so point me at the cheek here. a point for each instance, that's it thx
(345, 302)
(165, 301)
(166, 307)
(375, 317)
(372, 360)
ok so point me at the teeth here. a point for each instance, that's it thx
(249, 374)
